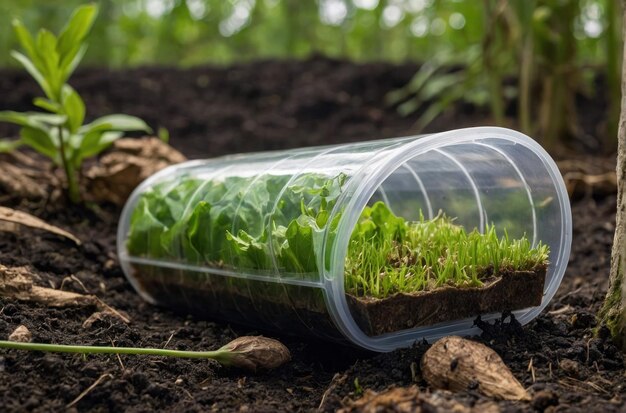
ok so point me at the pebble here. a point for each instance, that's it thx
(21, 335)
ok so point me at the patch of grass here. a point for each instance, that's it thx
(389, 255)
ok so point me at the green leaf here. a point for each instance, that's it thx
(25, 38)
(393, 226)
(46, 104)
(145, 238)
(48, 118)
(298, 253)
(93, 143)
(7, 145)
(221, 222)
(34, 72)
(197, 232)
(75, 32)
(124, 123)
(74, 108)
(68, 66)
(163, 134)
(249, 252)
(40, 141)
(46, 51)
(32, 119)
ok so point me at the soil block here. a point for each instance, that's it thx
(507, 292)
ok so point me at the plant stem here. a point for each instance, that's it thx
(218, 355)
(72, 185)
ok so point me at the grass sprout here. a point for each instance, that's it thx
(389, 255)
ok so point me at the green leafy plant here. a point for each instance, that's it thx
(59, 132)
(224, 224)
(209, 222)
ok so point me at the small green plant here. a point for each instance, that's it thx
(247, 352)
(389, 255)
(215, 223)
(59, 132)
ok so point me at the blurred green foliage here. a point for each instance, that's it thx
(190, 32)
(538, 54)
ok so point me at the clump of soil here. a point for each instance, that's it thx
(506, 292)
(211, 111)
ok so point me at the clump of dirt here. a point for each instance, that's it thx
(267, 105)
(511, 290)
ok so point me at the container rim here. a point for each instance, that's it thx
(363, 189)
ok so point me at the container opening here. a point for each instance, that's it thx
(450, 234)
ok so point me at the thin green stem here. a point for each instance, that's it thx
(72, 185)
(218, 355)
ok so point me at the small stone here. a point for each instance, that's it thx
(178, 381)
(21, 335)
(457, 364)
(544, 399)
(570, 367)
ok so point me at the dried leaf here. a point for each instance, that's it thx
(28, 220)
(456, 364)
(102, 315)
(21, 335)
(126, 165)
(17, 283)
(28, 176)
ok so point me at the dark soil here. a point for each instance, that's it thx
(268, 106)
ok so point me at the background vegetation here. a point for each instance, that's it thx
(532, 57)
(190, 32)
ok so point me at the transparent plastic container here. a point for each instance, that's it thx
(481, 176)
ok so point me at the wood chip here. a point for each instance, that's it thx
(24, 177)
(28, 220)
(102, 315)
(21, 335)
(456, 364)
(18, 283)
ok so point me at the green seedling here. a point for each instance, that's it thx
(358, 390)
(250, 353)
(389, 255)
(59, 132)
(227, 223)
